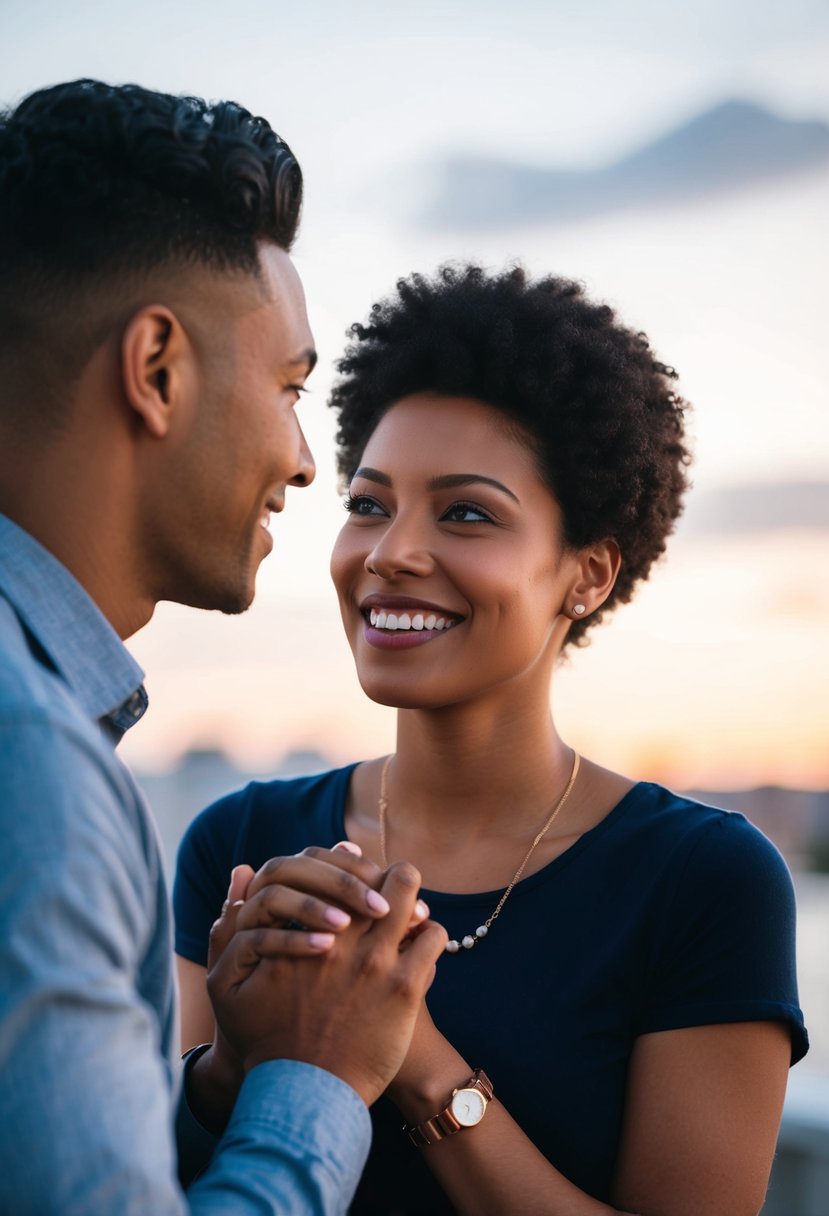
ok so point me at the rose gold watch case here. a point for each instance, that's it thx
(446, 1123)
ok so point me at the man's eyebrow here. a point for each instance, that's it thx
(446, 481)
(308, 359)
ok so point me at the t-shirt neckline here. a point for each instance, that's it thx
(446, 899)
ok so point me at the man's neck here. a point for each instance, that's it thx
(80, 526)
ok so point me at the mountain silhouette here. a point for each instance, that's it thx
(733, 145)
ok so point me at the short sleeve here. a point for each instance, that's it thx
(726, 948)
(205, 860)
(263, 820)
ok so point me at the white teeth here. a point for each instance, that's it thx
(406, 621)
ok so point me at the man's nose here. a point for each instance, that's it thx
(306, 466)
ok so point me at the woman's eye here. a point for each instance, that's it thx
(361, 504)
(464, 513)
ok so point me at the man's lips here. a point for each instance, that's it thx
(272, 507)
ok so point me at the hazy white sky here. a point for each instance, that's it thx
(730, 645)
(361, 81)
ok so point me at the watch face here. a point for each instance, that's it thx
(468, 1107)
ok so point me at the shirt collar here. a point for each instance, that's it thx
(72, 630)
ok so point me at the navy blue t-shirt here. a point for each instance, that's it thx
(667, 914)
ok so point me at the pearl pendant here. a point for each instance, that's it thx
(453, 946)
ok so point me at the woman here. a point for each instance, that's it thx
(621, 961)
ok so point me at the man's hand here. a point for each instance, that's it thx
(350, 1007)
(352, 1010)
(320, 886)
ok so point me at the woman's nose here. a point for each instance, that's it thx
(401, 549)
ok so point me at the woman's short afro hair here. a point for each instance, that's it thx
(596, 407)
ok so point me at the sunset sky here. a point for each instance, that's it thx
(719, 674)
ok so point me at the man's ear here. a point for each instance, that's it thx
(155, 354)
(598, 568)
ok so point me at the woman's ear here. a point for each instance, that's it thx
(598, 568)
(154, 354)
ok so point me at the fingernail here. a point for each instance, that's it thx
(321, 941)
(348, 846)
(421, 910)
(336, 916)
(376, 902)
(232, 877)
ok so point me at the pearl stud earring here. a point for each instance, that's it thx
(578, 609)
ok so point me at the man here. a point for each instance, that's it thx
(153, 344)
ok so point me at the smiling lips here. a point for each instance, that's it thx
(404, 626)
(273, 505)
(393, 621)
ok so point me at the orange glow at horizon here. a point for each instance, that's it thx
(716, 677)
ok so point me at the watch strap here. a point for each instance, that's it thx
(443, 1124)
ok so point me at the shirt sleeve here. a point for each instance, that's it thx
(296, 1142)
(725, 950)
(86, 1104)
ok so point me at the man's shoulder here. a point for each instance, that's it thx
(55, 767)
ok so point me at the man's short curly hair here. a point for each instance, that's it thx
(596, 407)
(103, 184)
(92, 173)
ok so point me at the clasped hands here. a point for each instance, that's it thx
(343, 992)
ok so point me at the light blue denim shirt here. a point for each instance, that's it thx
(89, 1071)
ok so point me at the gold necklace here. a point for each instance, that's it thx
(472, 939)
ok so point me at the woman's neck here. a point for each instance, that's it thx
(469, 787)
(470, 777)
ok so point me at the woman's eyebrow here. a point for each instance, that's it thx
(382, 479)
(449, 481)
(446, 481)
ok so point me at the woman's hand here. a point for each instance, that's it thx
(307, 899)
(311, 897)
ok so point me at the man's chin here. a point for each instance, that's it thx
(235, 609)
(229, 600)
(234, 603)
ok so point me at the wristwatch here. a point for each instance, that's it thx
(465, 1108)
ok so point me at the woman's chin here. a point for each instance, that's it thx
(393, 694)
